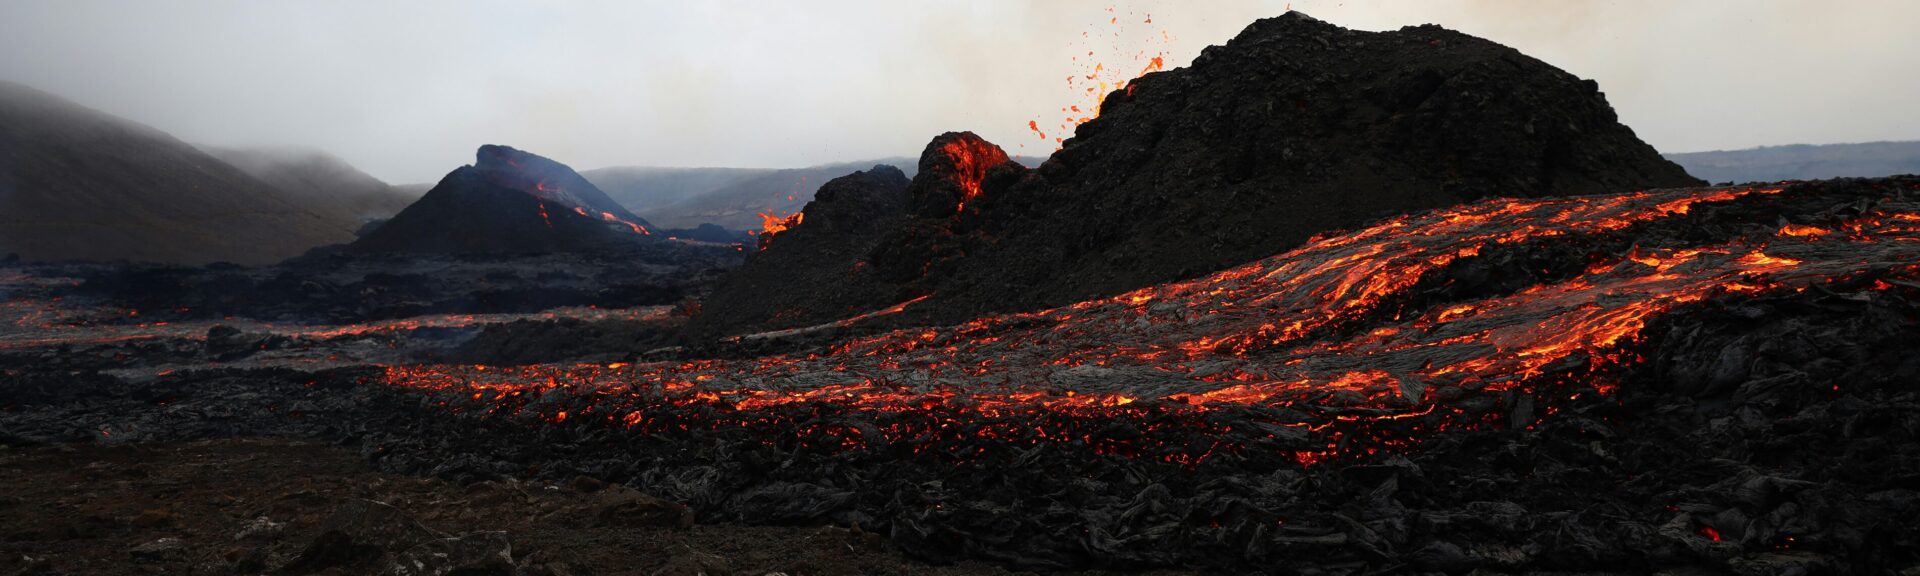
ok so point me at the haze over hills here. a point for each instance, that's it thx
(1803, 162)
(321, 181)
(78, 183)
(651, 188)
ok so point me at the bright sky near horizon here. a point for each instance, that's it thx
(407, 90)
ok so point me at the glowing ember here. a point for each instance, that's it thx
(611, 218)
(1803, 231)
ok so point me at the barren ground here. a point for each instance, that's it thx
(85, 509)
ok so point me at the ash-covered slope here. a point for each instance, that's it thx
(509, 202)
(322, 182)
(802, 265)
(1293, 128)
(77, 183)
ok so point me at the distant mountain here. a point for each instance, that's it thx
(1803, 162)
(77, 183)
(321, 181)
(509, 202)
(647, 189)
(730, 197)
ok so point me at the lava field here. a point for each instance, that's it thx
(1716, 378)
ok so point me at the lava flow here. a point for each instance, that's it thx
(1345, 346)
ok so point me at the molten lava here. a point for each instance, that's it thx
(970, 159)
(1331, 344)
(771, 224)
(610, 218)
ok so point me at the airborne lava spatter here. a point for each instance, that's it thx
(1094, 78)
(1311, 334)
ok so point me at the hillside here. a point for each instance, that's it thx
(77, 183)
(321, 181)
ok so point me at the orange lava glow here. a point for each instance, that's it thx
(610, 218)
(771, 224)
(1315, 330)
(971, 159)
(1803, 231)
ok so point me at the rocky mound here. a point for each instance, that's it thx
(77, 183)
(509, 202)
(1294, 128)
(810, 266)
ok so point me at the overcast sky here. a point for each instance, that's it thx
(407, 90)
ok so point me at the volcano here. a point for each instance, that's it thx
(1294, 128)
(509, 202)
